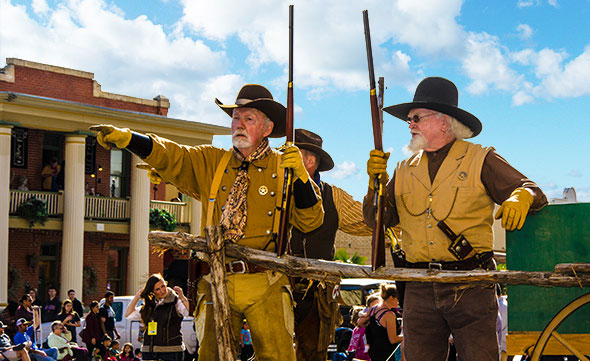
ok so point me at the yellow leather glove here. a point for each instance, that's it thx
(377, 165)
(292, 159)
(152, 174)
(108, 135)
(514, 210)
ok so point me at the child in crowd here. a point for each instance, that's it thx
(102, 350)
(358, 347)
(246, 343)
(137, 353)
(127, 353)
(114, 350)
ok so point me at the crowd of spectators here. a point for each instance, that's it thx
(20, 323)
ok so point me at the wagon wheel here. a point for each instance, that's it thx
(550, 329)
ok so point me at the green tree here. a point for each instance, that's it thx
(162, 219)
(343, 256)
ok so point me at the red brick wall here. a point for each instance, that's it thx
(102, 182)
(23, 242)
(159, 192)
(34, 161)
(67, 87)
(156, 262)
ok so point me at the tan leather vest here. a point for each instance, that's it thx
(456, 196)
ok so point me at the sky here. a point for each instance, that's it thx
(521, 66)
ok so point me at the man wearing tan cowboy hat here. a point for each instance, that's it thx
(317, 312)
(244, 183)
(449, 185)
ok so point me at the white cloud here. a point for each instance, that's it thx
(524, 3)
(524, 31)
(40, 7)
(344, 170)
(487, 66)
(528, 3)
(415, 22)
(569, 80)
(128, 56)
(328, 38)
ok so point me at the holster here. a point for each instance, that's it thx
(398, 257)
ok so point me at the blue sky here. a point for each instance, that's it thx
(522, 67)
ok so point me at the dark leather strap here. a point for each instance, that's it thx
(234, 267)
(477, 261)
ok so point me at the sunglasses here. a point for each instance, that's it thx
(416, 119)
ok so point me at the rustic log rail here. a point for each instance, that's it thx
(328, 270)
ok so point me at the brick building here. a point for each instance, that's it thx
(96, 234)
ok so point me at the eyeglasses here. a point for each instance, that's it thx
(417, 118)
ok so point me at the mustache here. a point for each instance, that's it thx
(240, 132)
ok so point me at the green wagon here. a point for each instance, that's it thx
(550, 320)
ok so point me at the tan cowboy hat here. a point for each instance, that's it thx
(438, 94)
(307, 140)
(258, 97)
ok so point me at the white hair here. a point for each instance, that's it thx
(458, 129)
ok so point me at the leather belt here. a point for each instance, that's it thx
(479, 260)
(239, 266)
(233, 267)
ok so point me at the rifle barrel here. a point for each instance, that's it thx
(378, 239)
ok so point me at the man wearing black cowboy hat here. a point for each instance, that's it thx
(317, 307)
(449, 184)
(243, 186)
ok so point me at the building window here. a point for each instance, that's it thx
(119, 181)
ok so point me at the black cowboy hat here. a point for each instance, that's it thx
(438, 94)
(258, 97)
(307, 140)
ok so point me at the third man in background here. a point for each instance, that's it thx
(317, 311)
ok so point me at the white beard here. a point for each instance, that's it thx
(417, 143)
(241, 142)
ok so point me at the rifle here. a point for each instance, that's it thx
(283, 235)
(378, 240)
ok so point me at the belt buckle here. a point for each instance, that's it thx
(238, 262)
(435, 265)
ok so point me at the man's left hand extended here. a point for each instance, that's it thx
(515, 209)
(292, 159)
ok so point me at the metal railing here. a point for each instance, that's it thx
(180, 210)
(54, 200)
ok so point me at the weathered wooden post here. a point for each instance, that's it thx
(221, 311)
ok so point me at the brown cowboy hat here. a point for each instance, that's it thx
(438, 94)
(258, 97)
(307, 140)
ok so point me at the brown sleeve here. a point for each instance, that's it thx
(500, 179)
(390, 217)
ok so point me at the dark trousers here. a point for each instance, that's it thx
(247, 353)
(432, 311)
(80, 353)
(164, 356)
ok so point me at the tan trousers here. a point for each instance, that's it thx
(265, 301)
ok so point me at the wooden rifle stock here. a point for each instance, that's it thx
(378, 241)
(283, 235)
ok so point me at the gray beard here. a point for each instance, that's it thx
(241, 143)
(417, 143)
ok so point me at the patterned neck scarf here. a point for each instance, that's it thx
(233, 218)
